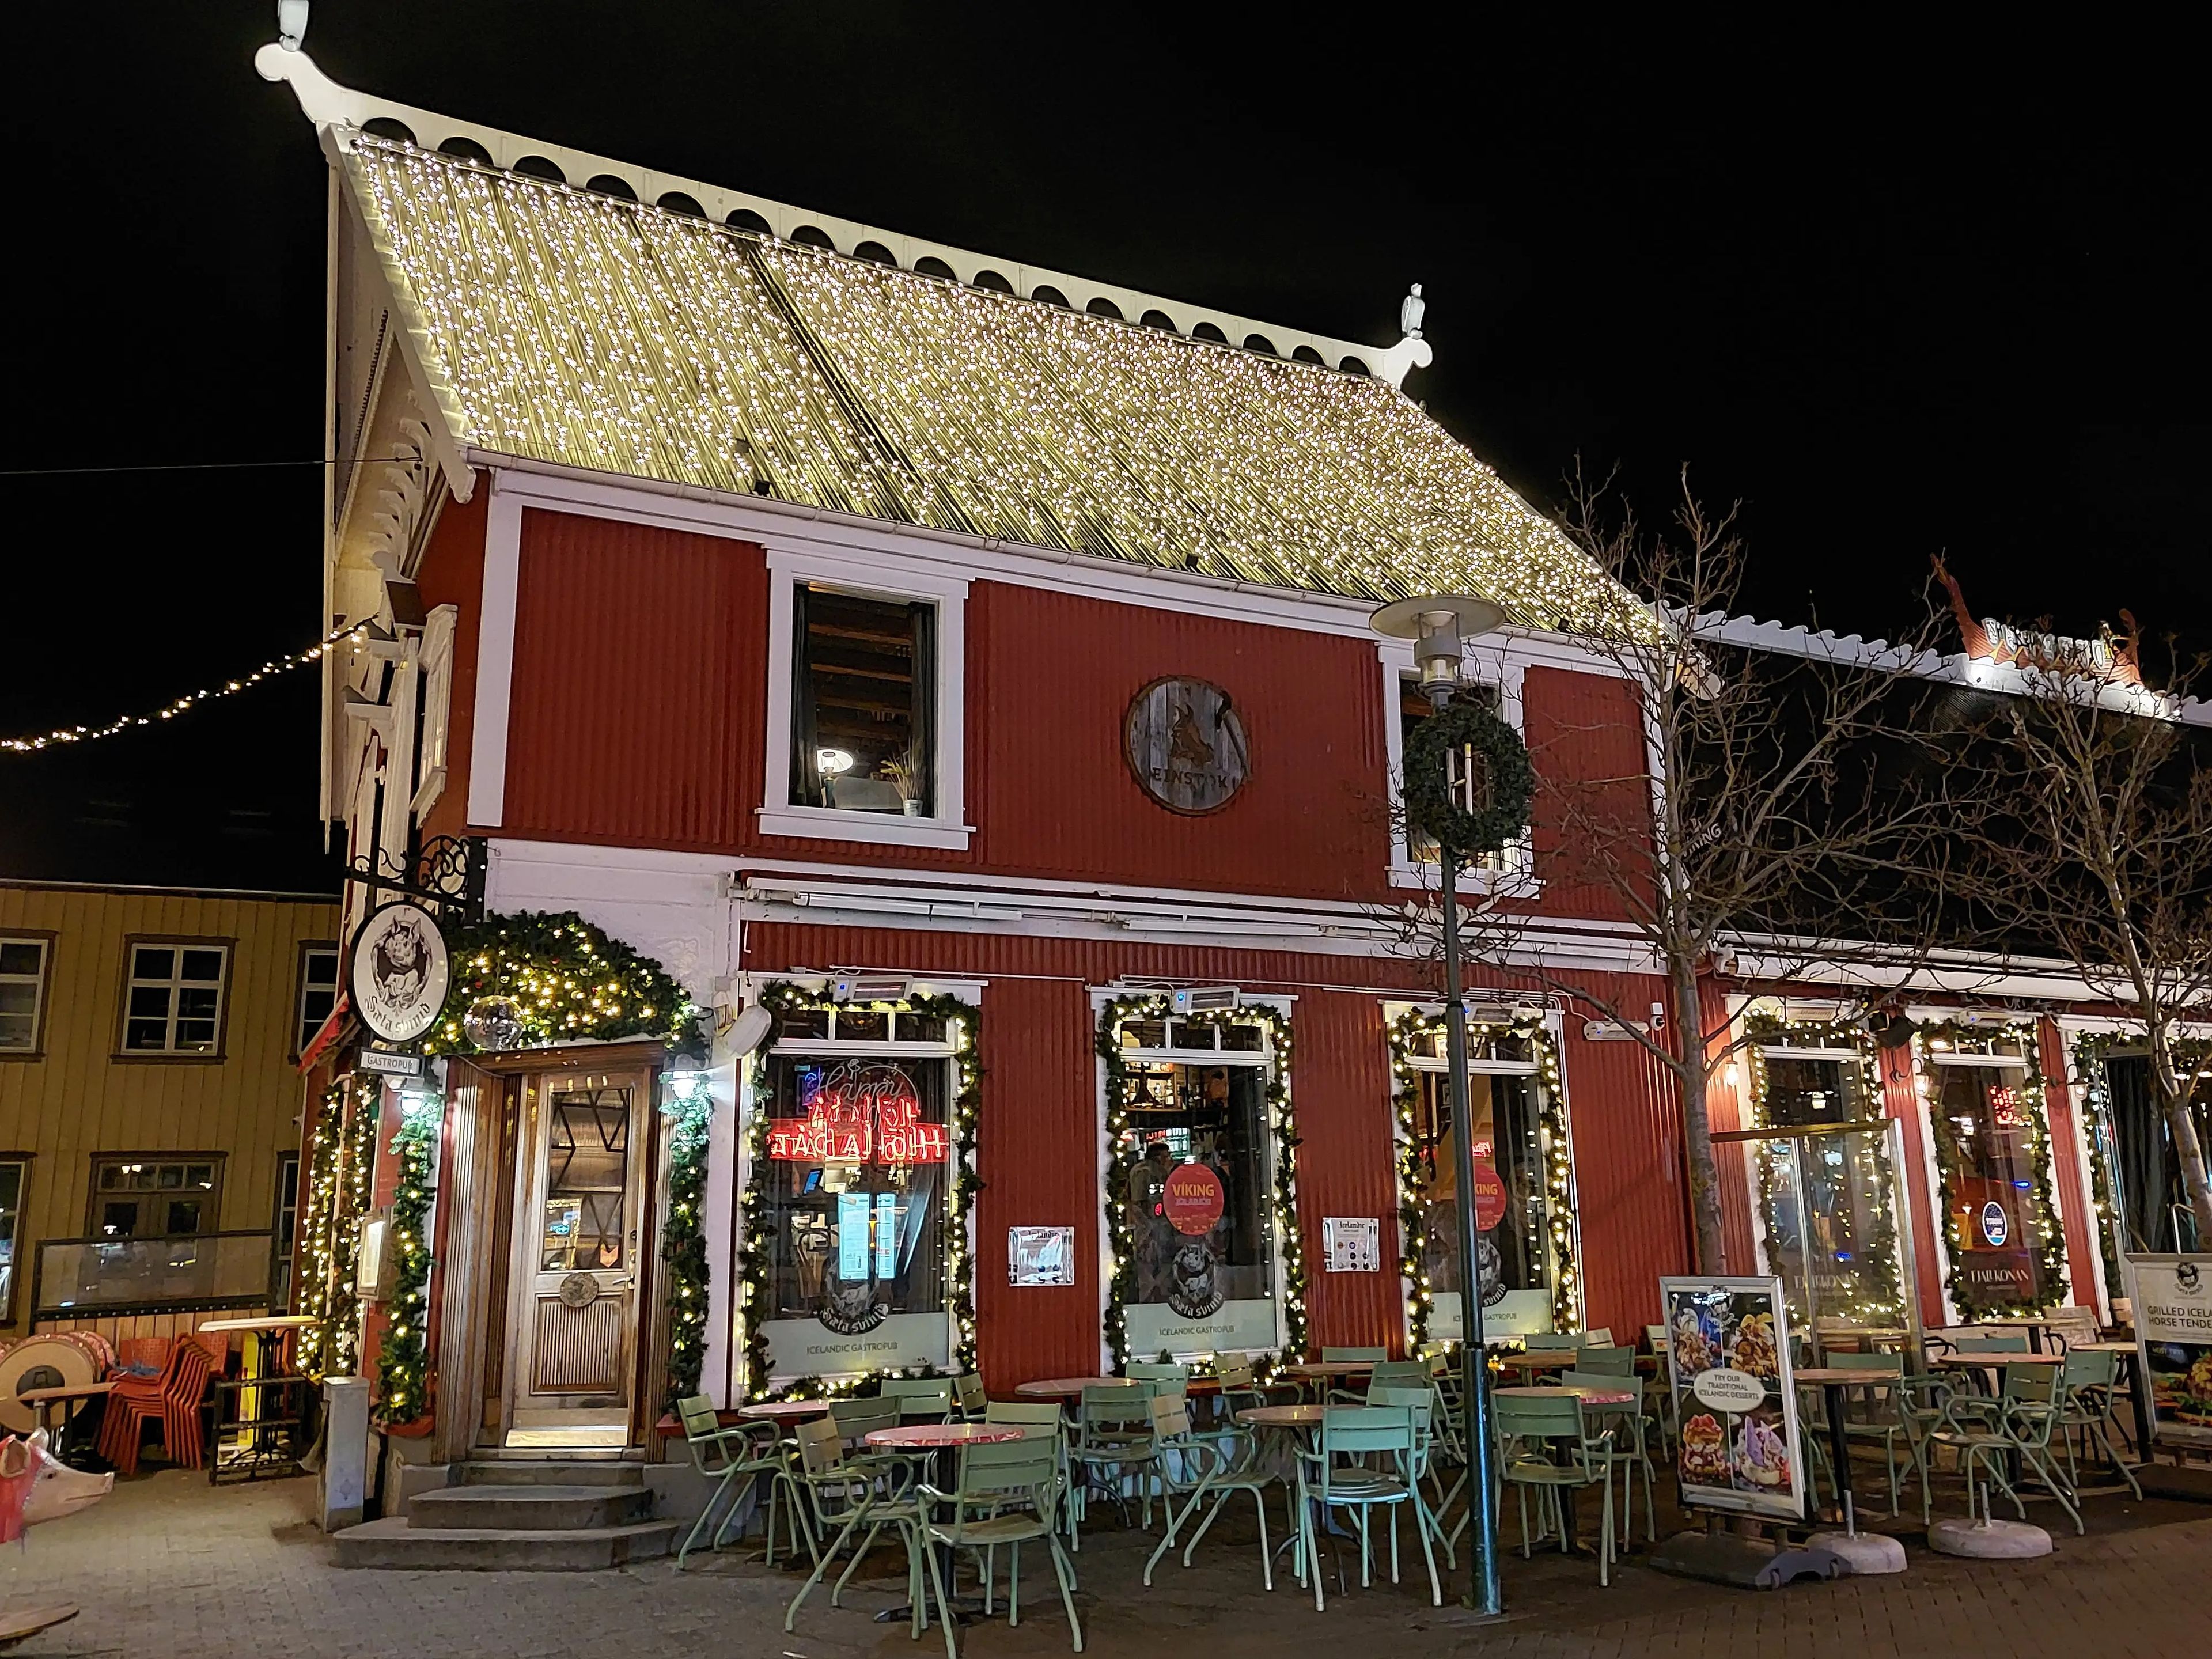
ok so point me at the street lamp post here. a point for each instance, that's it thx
(1437, 626)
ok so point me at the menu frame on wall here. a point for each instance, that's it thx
(1735, 1378)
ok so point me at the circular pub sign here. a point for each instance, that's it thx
(1192, 1200)
(1185, 745)
(1996, 1226)
(396, 977)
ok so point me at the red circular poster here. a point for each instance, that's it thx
(1192, 1199)
(1489, 1190)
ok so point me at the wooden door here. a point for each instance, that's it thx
(579, 1230)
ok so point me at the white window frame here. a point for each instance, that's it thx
(1514, 873)
(174, 984)
(303, 1033)
(874, 577)
(435, 659)
(37, 981)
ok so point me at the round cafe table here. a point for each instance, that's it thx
(1069, 1388)
(786, 1410)
(56, 1406)
(1831, 1381)
(1538, 1359)
(943, 1439)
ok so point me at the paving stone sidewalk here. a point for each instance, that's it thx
(167, 1567)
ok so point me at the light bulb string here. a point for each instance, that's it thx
(267, 671)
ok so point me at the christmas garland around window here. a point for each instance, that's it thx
(684, 1240)
(340, 1167)
(2049, 1234)
(2093, 1050)
(1408, 1030)
(402, 1361)
(1852, 1046)
(1123, 1284)
(963, 1024)
(568, 981)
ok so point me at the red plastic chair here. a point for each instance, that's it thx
(171, 1399)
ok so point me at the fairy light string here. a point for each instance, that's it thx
(62, 736)
(403, 1358)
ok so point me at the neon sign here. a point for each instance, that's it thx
(860, 1112)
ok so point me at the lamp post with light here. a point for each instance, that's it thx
(1438, 626)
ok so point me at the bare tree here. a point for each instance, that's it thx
(1762, 825)
(2095, 839)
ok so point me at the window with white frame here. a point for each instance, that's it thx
(864, 703)
(14, 1178)
(22, 991)
(317, 994)
(1413, 854)
(434, 714)
(172, 1004)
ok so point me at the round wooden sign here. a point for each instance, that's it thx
(1185, 743)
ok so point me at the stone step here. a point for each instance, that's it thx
(394, 1543)
(529, 1509)
(551, 1471)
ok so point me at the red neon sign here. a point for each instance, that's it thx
(856, 1112)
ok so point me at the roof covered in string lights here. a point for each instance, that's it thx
(577, 328)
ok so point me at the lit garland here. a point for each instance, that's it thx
(1881, 1303)
(579, 329)
(1122, 1270)
(121, 723)
(403, 1358)
(341, 1169)
(2092, 1050)
(2050, 1242)
(683, 1237)
(1408, 1029)
(963, 1024)
(570, 979)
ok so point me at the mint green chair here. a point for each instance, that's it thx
(2091, 1382)
(1884, 1418)
(1551, 1341)
(1215, 1465)
(1988, 1433)
(1140, 1372)
(1396, 1373)
(735, 1457)
(1545, 1446)
(1420, 1399)
(1625, 1423)
(1383, 1432)
(1350, 1356)
(859, 1418)
(874, 1490)
(969, 1398)
(1241, 1388)
(1604, 1360)
(921, 1399)
(1113, 1441)
(1009, 1495)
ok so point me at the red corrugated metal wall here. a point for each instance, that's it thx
(1727, 1106)
(452, 573)
(2066, 1164)
(1900, 1098)
(1038, 1140)
(1584, 726)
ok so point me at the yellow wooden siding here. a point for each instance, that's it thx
(79, 1099)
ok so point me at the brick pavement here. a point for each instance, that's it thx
(170, 1568)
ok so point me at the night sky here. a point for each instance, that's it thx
(1899, 296)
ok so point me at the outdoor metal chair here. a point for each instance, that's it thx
(1631, 1456)
(1545, 1445)
(969, 1398)
(737, 1456)
(1987, 1433)
(1039, 1419)
(1215, 1465)
(1396, 1373)
(875, 1490)
(1009, 1493)
(1885, 1420)
(1139, 1371)
(1114, 1433)
(2090, 1381)
(927, 1399)
(1352, 1356)
(1551, 1341)
(863, 1415)
(1357, 1432)
(1420, 1399)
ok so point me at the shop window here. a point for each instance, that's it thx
(318, 994)
(135, 1195)
(1799, 1090)
(14, 1177)
(1984, 1117)
(856, 1165)
(863, 728)
(22, 993)
(1194, 1168)
(2142, 1173)
(1517, 1246)
(173, 1003)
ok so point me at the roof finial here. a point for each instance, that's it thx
(1411, 353)
(291, 23)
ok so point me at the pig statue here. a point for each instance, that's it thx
(36, 1486)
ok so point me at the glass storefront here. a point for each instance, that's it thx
(1986, 1111)
(1193, 1174)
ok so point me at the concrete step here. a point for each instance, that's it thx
(394, 1543)
(550, 1471)
(529, 1509)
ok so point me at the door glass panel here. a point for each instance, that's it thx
(1827, 1203)
(586, 1176)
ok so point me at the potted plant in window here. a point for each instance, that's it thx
(907, 775)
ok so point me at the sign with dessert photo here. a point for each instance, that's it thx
(1727, 1363)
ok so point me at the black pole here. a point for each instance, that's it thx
(1484, 1593)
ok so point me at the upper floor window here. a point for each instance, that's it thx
(863, 686)
(1412, 853)
(172, 1004)
(866, 701)
(22, 991)
(318, 992)
(137, 1195)
(14, 1172)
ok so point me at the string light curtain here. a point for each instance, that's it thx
(575, 328)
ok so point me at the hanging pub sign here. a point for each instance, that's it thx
(1727, 1360)
(1185, 743)
(2172, 1298)
(397, 973)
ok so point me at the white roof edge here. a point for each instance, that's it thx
(1850, 650)
(329, 106)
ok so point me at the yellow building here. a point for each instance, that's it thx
(149, 1095)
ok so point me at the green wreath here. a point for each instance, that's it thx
(1510, 780)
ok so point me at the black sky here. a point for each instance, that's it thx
(1900, 291)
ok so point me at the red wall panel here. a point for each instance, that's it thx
(1900, 1099)
(1585, 736)
(1727, 1106)
(1347, 1165)
(2066, 1156)
(452, 573)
